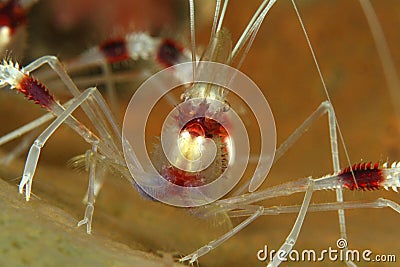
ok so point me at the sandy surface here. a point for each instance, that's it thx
(280, 63)
(40, 234)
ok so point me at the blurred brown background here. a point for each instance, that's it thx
(281, 65)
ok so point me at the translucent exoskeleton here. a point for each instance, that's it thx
(106, 144)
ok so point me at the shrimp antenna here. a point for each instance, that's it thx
(389, 69)
(218, 18)
(251, 29)
(221, 18)
(193, 36)
(216, 15)
(335, 154)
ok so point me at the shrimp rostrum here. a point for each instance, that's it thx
(203, 146)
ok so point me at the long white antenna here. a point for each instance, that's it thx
(254, 24)
(333, 120)
(323, 85)
(216, 15)
(389, 69)
(252, 33)
(193, 36)
(221, 18)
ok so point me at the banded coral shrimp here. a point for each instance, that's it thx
(298, 161)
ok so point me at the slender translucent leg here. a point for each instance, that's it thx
(23, 130)
(332, 130)
(19, 149)
(322, 109)
(95, 108)
(30, 126)
(34, 152)
(297, 186)
(292, 139)
(106, 78)
(106, 143)
(91, 110)
(139, 46)
(120, 77)
(245, 211)
(58, 68)
(336, 168)
(90, 203)
(256, 212)
(285, 189)
(100, 177)
(215, 243)
(294, 233)
(26, 128)
(110, 88)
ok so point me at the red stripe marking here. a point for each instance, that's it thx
(114, 50)
(169, 53)
(366, 176)
(36, 91)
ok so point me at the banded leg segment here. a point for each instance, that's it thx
(95, 108)
(91, 110)
(34, 152)
(108, 134)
